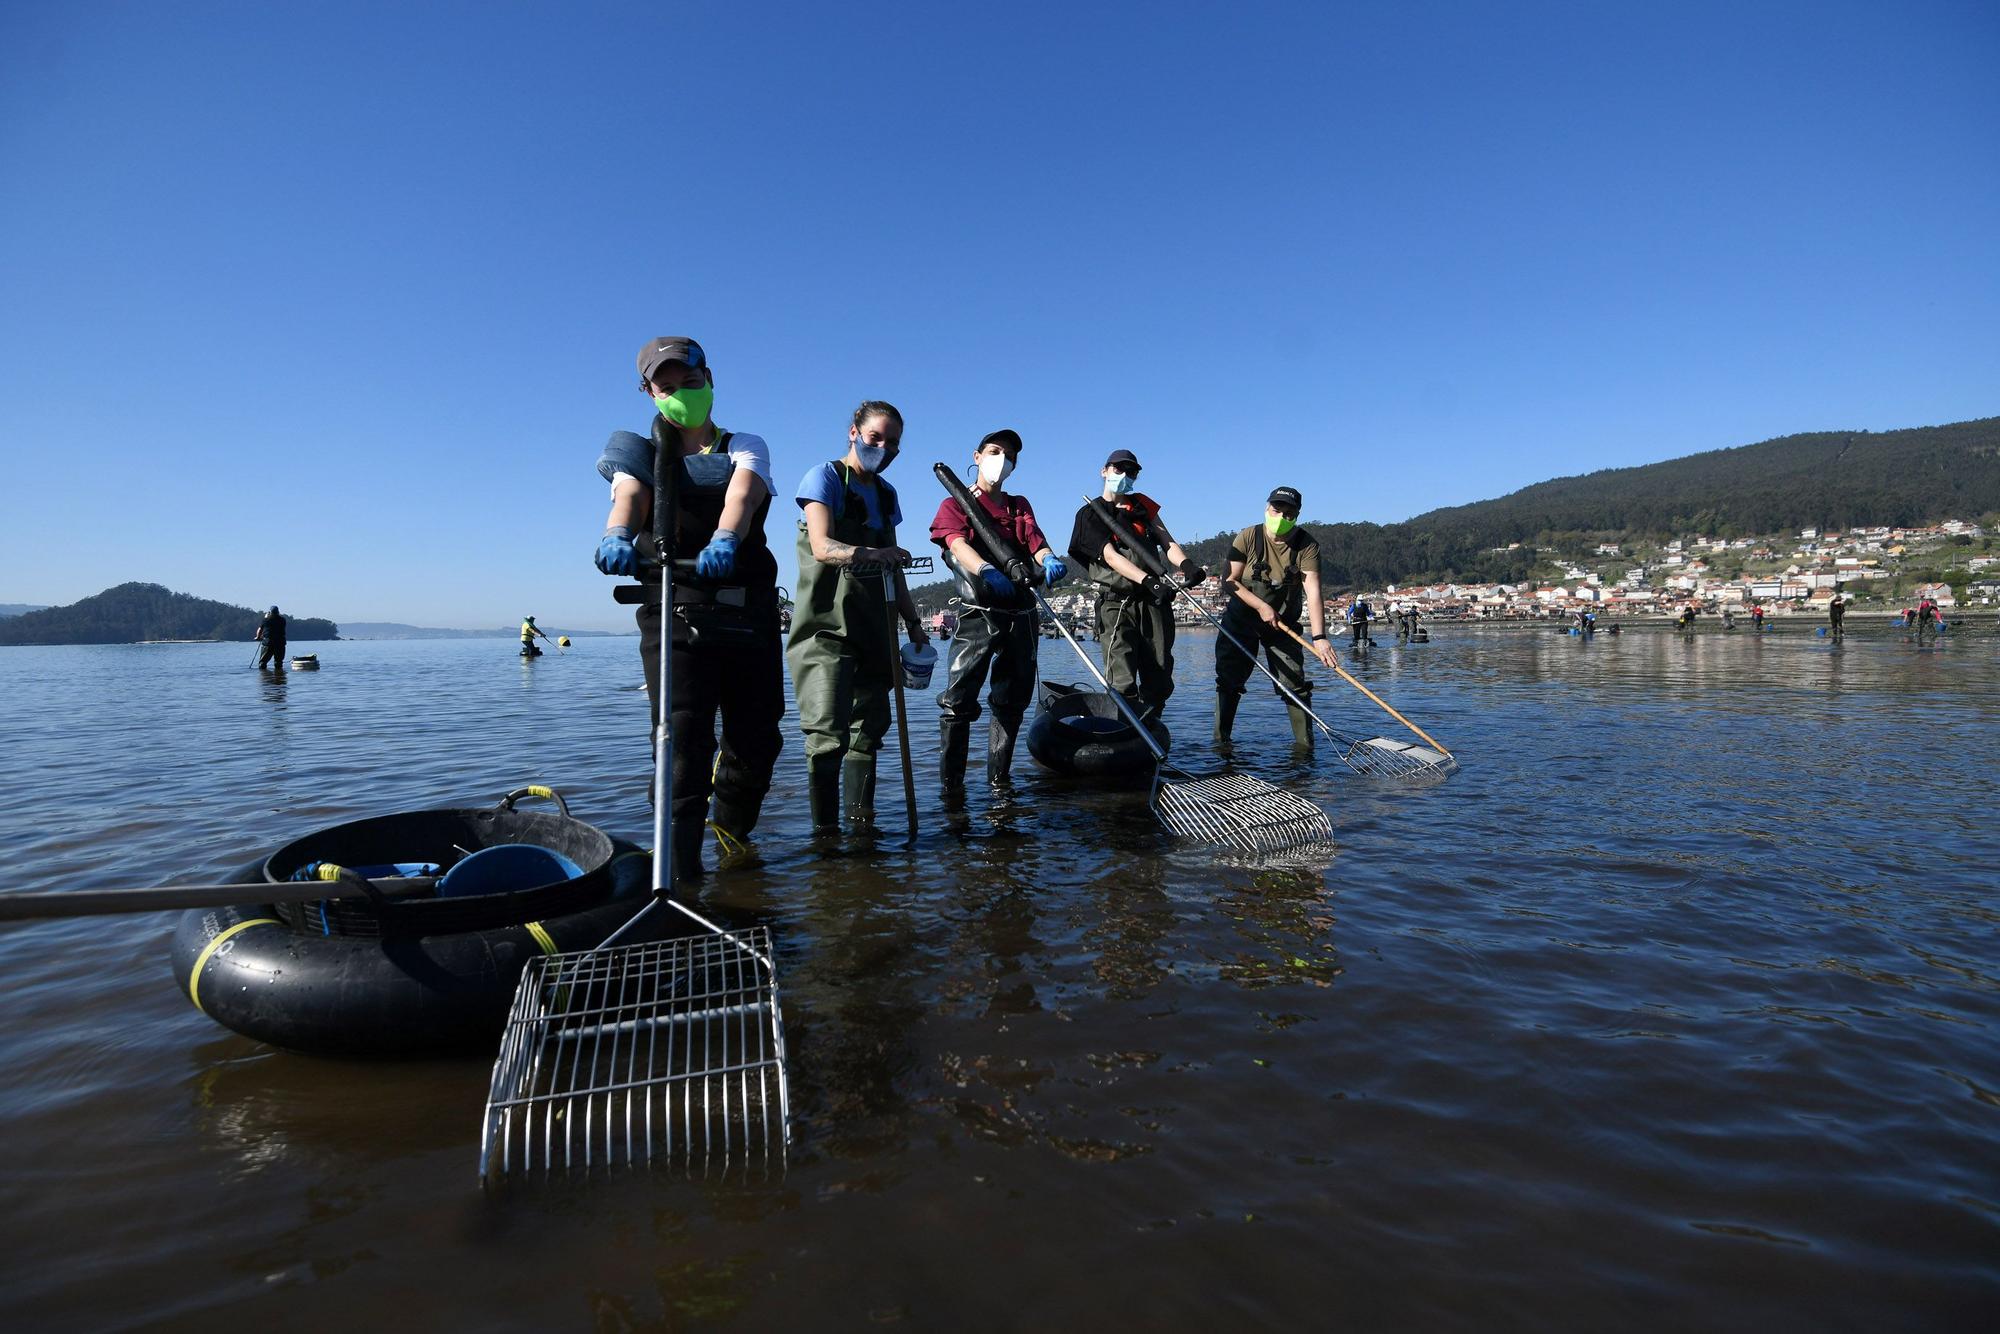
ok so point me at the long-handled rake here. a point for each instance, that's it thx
(666, 1052)
(1384, 757)
(889, 586)
(1373, 757)
(1237, 811)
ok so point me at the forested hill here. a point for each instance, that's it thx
(1825, 479)
(130, 613)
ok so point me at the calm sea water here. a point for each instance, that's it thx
(1675, 1009)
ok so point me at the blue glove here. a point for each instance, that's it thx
(614, 552)
(1053, 568)
(718, 558)
(997, 583)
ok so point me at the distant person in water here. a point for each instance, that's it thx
(1836, 612)
(1358, 616)
(528, 632)
(1757, 618)
(271, 634)
(1686, 621)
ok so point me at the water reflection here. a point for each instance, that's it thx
(260, 1108)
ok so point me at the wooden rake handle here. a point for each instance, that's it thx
(1350, 680)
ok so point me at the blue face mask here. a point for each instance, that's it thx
(874, 458)
(1121, 484)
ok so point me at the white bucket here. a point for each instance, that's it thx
(918, 664)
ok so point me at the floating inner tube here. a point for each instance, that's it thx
(1080, 731)
(306, 662)
(417, 971)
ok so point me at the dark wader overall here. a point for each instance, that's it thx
(840, 657)
(1002, 637)
(274, 643)
(1282, 653)
(1136, 632)
(727, 656)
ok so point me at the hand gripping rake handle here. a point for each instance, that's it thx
(902, 706)
(1003, 552)
(1366, 691)
(1142, 555)
(1150, 560)
(1290, 695)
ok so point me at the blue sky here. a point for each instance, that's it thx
(333, 305)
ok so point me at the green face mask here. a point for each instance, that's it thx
(687, 408)
(1279, 524)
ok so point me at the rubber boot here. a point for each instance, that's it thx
(857, 781)
(954, 740)
(687, 847)
(1302, 727)
(1225, 719)
(823, 792)
(1000, 736)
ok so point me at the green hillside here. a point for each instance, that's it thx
(1825, 479)
(130, 613)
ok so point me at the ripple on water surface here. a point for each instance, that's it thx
(1676, 1005)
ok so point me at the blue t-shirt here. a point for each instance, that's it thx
(825, 484)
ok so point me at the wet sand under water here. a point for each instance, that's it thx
(1675, 1008)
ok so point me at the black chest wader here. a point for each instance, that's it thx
(994, 634)
(1135, 632)
(840, 660)
(727, 656)
(273, 650)
(1285, 595)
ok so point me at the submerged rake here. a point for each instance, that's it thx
(664, 1053)
(1237, 811)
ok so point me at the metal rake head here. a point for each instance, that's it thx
(669, 1052)
(1239, 812)
(1398, 761)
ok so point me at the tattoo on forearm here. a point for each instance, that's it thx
(837, 553)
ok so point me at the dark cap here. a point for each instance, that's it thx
(1285, 497)
(663, 350)
(1122, 456)
(1008, 440)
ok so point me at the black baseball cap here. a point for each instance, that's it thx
(1122, 456)
(1284, 497)
(1009, 440)
(663, 350)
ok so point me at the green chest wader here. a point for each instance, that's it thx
(840, 661)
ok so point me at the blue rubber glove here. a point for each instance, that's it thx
(997, 583)
(718, 558)
(1053, 568)
(614, 551)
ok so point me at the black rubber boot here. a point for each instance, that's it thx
(1000, 736)
(1225, 719)
(823, 792)
(857, 781)
(1302, 727)
(954, 740)
(687, 847)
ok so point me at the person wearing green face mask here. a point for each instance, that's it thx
(1276, 564)
(715, 489)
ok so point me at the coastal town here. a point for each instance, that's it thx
(1875, 570)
